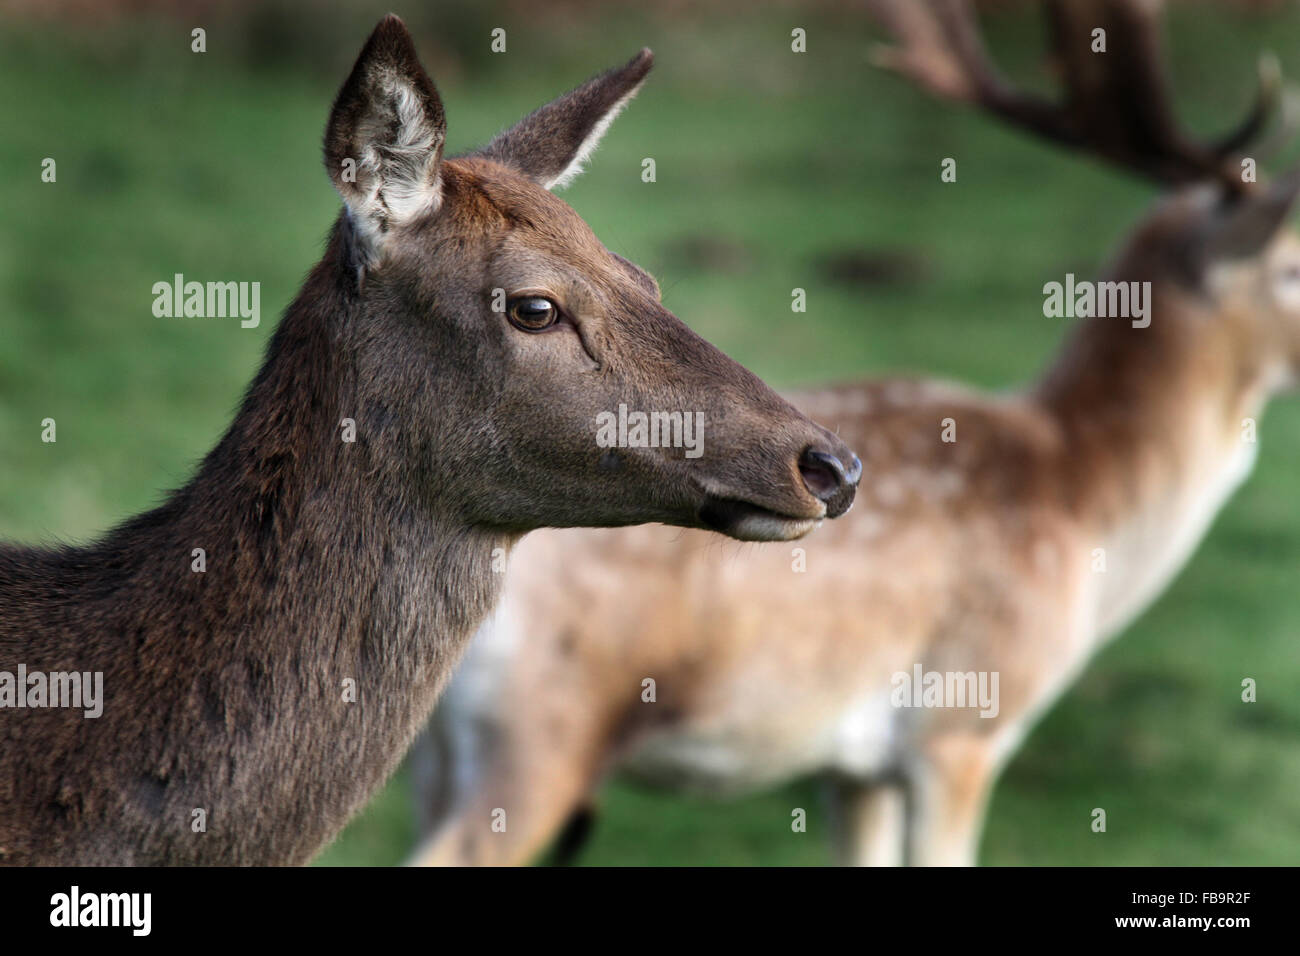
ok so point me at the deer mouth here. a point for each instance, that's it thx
(747, 521)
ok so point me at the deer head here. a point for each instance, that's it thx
(488, 306)
(1214, 248)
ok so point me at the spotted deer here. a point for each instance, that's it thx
(659, 654)
(270, 695)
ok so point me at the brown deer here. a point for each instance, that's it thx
(250, 709)
(976, 558)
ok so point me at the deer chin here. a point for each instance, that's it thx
(746, 521)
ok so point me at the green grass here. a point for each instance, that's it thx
(209, 165)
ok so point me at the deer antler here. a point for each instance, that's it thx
(1116, 104)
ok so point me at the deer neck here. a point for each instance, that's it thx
(284, 682)
(1157, 432)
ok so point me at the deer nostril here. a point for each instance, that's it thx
(854, 472)
(829, 481)
(822, 473)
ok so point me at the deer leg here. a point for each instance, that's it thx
(519, 804)
(573, 837)
(947, 795)
(434, 763)
(868, 821)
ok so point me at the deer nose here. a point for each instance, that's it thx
(828, 479)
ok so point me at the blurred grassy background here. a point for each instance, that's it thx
(775, 170)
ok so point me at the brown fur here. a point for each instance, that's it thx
(967, 556)
(373, 560)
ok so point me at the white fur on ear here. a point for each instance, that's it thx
(384, 140)
(397, 176)
(551, 144)
(588, 145)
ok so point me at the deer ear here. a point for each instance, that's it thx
(384, 142)
(1249, 224)
(551, 145)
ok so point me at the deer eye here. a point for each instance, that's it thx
(533, 313)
